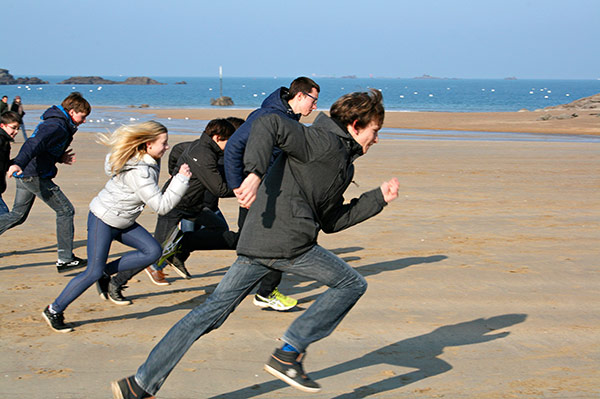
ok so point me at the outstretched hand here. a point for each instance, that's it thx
(68, 157)
(246, 192)
(184, 170)
(389, 189)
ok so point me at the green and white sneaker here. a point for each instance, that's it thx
(276, 300)
(170, 246)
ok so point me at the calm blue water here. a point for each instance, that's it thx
(464, 95)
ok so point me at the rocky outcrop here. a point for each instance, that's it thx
(7, 79)
(591, 102)
(140, 80)
(547, 117)
(223, 101)
(97, 80)
(183, 82)
(87, 80)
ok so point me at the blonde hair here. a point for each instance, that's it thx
(129, 141)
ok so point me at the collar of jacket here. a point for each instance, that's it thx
(134, 162)
(214, 146)
(341, 131)
(6, 136)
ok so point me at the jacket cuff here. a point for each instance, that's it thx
(379, 196)
(182, 178)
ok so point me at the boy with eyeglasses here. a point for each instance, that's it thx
(300, 99)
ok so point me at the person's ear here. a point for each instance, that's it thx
(352, 128)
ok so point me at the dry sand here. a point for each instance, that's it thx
(483, 283)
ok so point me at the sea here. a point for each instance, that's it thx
(450, 95)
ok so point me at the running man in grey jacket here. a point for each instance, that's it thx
(301, 195)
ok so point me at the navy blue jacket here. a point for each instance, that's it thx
(236, 145)
(40, 153)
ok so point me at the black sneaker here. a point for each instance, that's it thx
(76, 263)
(115, 295)
(127, 388)
(287, 366)
(102, 286)
(178, 264)
(56, 321)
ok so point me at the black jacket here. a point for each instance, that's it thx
(303, 191)
(5, 161)
(207, 183)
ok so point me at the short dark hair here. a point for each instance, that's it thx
(235, 121)
(77, 103)
(362, 107)
(220, 127)
(301, 85)
(10, 117)
(5, 97)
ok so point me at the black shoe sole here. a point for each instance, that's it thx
(120, 303)
(64, 269)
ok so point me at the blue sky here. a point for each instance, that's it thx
(455, 38)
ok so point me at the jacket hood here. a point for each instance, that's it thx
(57, 111)
(275, 101)
(339, 130)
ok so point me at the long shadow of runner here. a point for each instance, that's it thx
(366, 270)
(376, 268)
(420, 353)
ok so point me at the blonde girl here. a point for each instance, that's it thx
(133, 167)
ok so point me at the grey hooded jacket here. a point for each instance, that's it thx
(303, 192)
(124, 196)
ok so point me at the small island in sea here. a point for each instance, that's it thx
(97, 80)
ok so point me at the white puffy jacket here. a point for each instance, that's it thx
(123, 198)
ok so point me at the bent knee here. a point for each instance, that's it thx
(361, 285)
(153, 252)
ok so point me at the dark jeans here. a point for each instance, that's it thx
(345, 284)
(100, 237)
(166, 223)
(27, 189)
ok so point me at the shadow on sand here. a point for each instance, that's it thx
(419, 353)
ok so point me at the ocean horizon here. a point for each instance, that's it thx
(449, 95)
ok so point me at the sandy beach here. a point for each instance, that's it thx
(483, 280)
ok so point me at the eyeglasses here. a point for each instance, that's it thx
(315, 99)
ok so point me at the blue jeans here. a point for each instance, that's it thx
(100, 236)
(3, 206)
(345, 284)
(27, 189)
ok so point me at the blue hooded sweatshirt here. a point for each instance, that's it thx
(236, 145)
(40, 153)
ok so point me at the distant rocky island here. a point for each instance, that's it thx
(97, 80)
(7, 79)
(425, 76)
